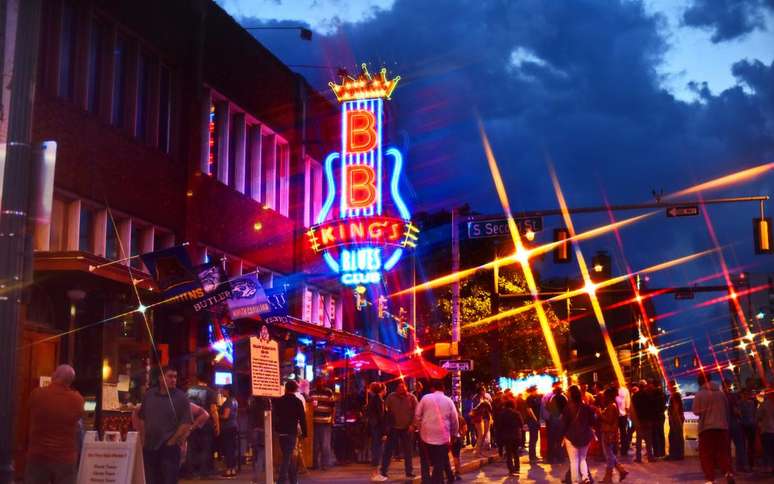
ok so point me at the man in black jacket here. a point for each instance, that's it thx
(644, 407)
(288, 417)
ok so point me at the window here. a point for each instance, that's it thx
(111, 243)
(212, 161)
(283, 179)
(86, 230)
(58, 226)
(248, 161)
(94, 75)
(144, 71)
(67, 38)
(232, 149)
(135, 246)
(119, 82)
(165, 108)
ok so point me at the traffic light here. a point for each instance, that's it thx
(562, 253)
(677, 362)
(381, 307)
(762, 234)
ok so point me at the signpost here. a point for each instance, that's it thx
(479, 229)
(683, 211)
(457, 365)
(265, 379)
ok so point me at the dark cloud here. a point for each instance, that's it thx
(728, 19)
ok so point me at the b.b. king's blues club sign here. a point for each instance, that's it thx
(364, 226)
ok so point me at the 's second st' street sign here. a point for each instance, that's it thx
(479, 229)
(684, 211)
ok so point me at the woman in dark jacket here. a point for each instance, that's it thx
(608, 430)
(510, 425)
(375, 415)
(577, 420)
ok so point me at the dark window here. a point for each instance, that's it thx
(136, 241)
(96, 47)
(85, 230)
(111, 243)
(119, 82)
(67, 39)
(232, 141)
(144, 70)
(165, 108)
(248, 162)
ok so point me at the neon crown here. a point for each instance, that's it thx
(364, 86)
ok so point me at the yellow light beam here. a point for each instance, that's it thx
(738, 177)
(521, 253)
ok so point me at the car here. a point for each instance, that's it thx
(690, 427)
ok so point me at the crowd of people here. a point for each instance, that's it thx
(180, 429)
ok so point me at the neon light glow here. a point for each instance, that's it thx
(368, 236)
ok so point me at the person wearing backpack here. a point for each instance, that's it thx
(578, 420)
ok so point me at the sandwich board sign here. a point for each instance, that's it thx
(264, 365)
(112, 460)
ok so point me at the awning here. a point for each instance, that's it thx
(367, 361)
(419, 367)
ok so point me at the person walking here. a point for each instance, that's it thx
(324, 414)
(609, 434)
(676, 415)
(765, 417)
(55, 415)
(401, 406)
(437, 420)
(376, 418)
(288, 418)
(711, 406)
(200, 442)
(553, 411)
(659, 404)
(735, 430)
(623, 401)
(166, 421)
(644, 408)
(510, 432)
(533, 422)
(229, 414)
(747, 409)
(481, 416)
(456, 447)
(577, 423)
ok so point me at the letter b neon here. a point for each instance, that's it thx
(361, 132)
(362, 186)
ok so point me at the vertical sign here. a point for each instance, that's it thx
(264, 365)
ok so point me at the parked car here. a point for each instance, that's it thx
(690, 427)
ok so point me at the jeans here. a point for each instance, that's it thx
(437, 457)
(200, 451)
(228, 443)
(714, 451)
(398, 438)
(579, 470)
(608, 449)
(659, 442)
(740, 445)
(376, 445)
(162, 465)
(287, 471)
(40, 471)
(512, 454)
(624, 433)
(321, 455)
(750, 432)
(644, 432)
(534, 432)
(676, 441)
(554, 431)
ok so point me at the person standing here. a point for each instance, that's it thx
(323, 412)
(553, 411)
(375, 416)
(229, 415)
(711, 406)
(644, 408)
(735, 430)
(201, 439)
(658, 401)
(288, 418)
(401, 406)
(676, 415)
(482, 417)
(166, 421)
(577, 422)
(437, 420)
(55, 415)
(747, 408)
(623, 401)
(510, 434)
(765, 417)
(533, 421)
(609, 433)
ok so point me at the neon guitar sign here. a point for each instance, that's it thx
(367, 233)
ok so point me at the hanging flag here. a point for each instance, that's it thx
(247, 297)
(173, 272)
(277, 298)
(215, 285)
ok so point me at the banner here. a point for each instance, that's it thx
(215, 286)
(173, 272)
(247, 297)
(277, 298)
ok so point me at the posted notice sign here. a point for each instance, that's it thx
(112, 460)
(264, 366)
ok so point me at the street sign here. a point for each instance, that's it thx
(684, 294)
(457, 365)
(479, 229)
(683, 211)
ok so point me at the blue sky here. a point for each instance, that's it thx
(622, 96)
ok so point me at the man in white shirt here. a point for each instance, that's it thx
(624, 402)
(437, 421)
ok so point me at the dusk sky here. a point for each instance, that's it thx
(623, 96)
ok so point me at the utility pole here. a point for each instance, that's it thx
(455, 316)
(15, 244)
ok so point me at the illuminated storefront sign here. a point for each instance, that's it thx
(367, 231)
